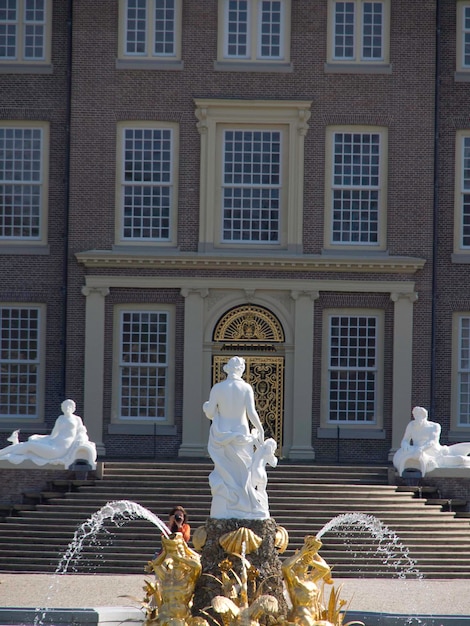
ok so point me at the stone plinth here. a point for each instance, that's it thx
(265, 559)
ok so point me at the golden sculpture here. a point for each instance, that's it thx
(168, 600)
(302, 572)
(234, 541)
(234, 607)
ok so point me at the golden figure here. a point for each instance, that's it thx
(302, 572)
(169, 598)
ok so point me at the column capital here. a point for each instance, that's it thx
(186, 291)
(313, 295)
(410, 296)
(102, 291)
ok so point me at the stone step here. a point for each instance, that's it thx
(303, 498)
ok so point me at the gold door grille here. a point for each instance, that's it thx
(266, 375)
(242, 331)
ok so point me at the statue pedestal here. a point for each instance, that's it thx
(265, 559)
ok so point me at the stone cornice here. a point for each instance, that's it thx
(279, 262)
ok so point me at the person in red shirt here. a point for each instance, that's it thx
(178, 522)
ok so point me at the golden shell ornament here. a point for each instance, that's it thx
(199, 538)
(281, 539)
(233, 541)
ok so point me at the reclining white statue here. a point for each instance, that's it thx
(67, 443)
(238, 481)
(420, 447)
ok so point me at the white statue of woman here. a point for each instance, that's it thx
(420, 447)
(231, 408)
(67, 442)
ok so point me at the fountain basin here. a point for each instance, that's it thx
(116, 616)
(103, 616)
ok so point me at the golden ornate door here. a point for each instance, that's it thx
(255, 334)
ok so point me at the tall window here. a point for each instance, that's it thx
(463, 372)
(356, 194)
(151, 29)
(254, 30)
(464, 191)
(252, 164)
(144, 359)
(23, 193)
(23, 30)
(147, 184)
(463, 36)
(353, 367)
(359, 32)
(251, 186)
(20, 361)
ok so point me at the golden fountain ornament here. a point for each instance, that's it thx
(169, 598)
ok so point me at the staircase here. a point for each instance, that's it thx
(302, 498)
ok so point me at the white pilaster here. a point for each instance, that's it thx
(194, 439)
(302, 376)
(94, 364)
(402, 364)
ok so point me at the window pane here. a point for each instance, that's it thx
(136, 27)
(19, 361)
(252, 186)
(464, 372)
(34, 29)
(147, 184)
(465, 192)
(144, 364)
(466, 37)
(20, 183)
(356, 179)
(236, 44)
(164, 28)
(372, 31)
(270, 20)
(352, 368)
(8, 29)
(344, 30)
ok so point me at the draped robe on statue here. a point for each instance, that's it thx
(236, 493)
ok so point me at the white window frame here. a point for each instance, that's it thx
(254, 55)
(36, 335)
(290, 119)
(463, 40)
(16, 27)
(462, 193)
(357, 61)
(168, 312)
(460, 371)
(333, 188)
(148, 57)
(12, 187)
(377, 369)
(171, 184)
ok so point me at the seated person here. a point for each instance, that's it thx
(67, 442)
(420, 447)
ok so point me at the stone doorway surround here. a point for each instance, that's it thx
(293, 302)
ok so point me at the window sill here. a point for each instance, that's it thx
(158, 430)
(357, 68)
(24, 249)
(252, 66)
(350, 432)
(462, 76)
(149, 64)
(461, 257)
(457, 436)
(27, 426)
(26, 68)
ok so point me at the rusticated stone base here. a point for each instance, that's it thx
(265, 559)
